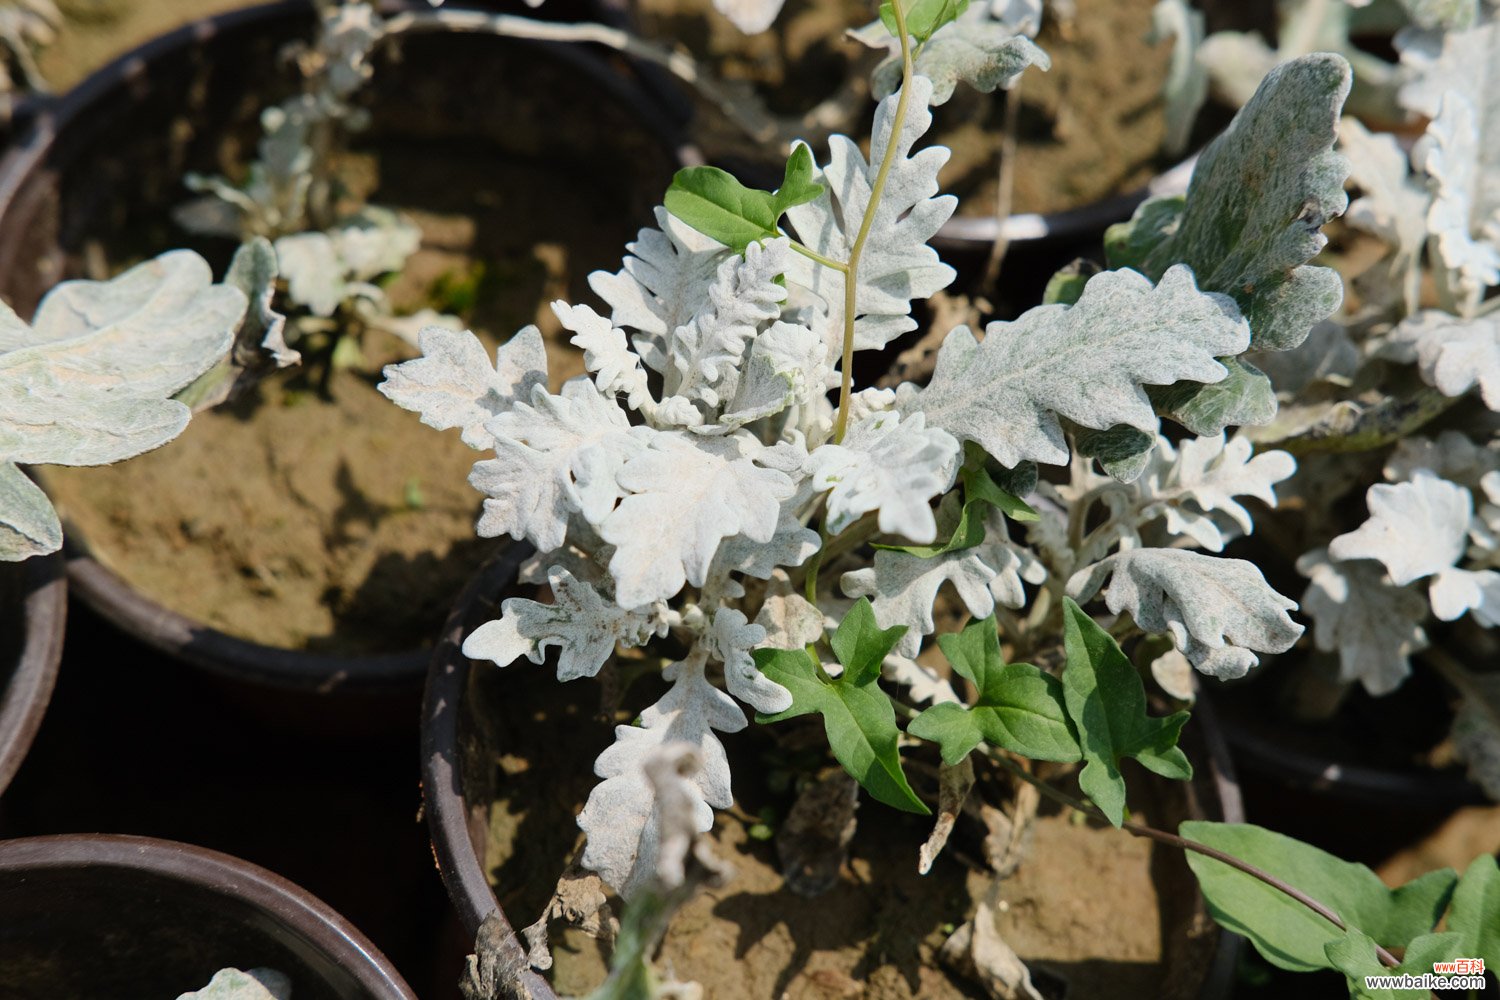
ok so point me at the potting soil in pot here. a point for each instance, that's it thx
(1096, 907)
(313, 512)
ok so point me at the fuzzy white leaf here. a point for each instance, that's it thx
(750, 16)
(1476, 737)
(986, 53)
(1464, 217)
(232, 984)
(453, 384)
(663, 283)
(91, 382)
(1186, 86)
(1189, 485)
(787, 366)
(1086, 362)
(1219, 612)
(891, 466)
(1451, 456)
(706, 351)
(584, 627)
(1370, 622)
(792, 543)
(897, 265)
(730, 638)
(606, 353)
(323, 269)
(1454, 355)
(623, 841)
(902, 587)
(1415, 529)
(555, 455)
(791, 621)
(28, 524)
(687, 494)
(1393, 205)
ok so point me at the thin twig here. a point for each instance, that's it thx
(1005, 184)
(1173, 840)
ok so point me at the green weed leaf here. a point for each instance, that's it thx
(716, 204)
(1107, 703)
(857, 715)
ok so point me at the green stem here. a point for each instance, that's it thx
(813, 255)
(851, 273)
(1182, 843)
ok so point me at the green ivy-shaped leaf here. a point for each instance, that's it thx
(716, 204)
(923, 17)
(1107, 702)
(1020, 707)
(857, 715)
(1476, 911)
(1289, 934)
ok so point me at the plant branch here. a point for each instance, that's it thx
(1182, 843)
(813, 255)
(1005, 185)
(851, 275)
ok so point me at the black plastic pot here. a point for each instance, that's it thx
(33, 612)
(96, 917)
(48, 214)
(458, 772)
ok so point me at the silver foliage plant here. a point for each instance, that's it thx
(701, 466)
(104, 369)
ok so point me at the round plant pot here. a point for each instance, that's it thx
(103, 165)
(34, 610)
(460, 776)
(97, 917)
(1299, 759)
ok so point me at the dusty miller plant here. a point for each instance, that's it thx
(718, 478)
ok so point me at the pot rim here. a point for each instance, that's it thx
(104, 590)
(24, 699)
(285, 902)
(1259, 750)
(448, 811)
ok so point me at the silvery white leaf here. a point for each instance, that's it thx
(584, 627)
(1464, 217)
(28, 524)
(1186, 86)
(792, 543)
(787, 366)
(791, 621)
(374, 241)
(1327, 355)
(92, 384)
(1219, 612)
(1370, 622)
(729, 639)
(1453, 15)
(1186, 486)
(985, 53)
(750, 16)
(1173, 673)
(1454, 355)
(349, 33)
(314, 273)
(1392, 206)
(1024, 17)
(897, 265)
(1260, 195)
(902, 587)
(706, 351)
(553, 456)
(664, 282)
(232, 984)
(1451, 456)
(685, 496)
(453, 384)
(922, 684)
(891, 466)
(622, 839)
(1415, 529)
(606, 353)
(1086, 362)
